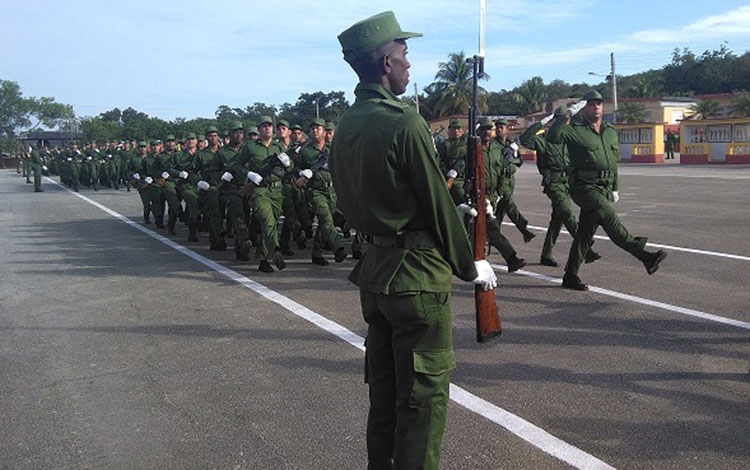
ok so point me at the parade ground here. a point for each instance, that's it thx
(122, 347)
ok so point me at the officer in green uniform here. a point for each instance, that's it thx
(391, 188)
(671, 141)
(188, 177)
(511, 161)
(36, 164)
(91, 165)
(164, 167)
(267, 167)
(207, 166)
(150, 175)
(452, 154)
(291, 194)
(594, 150)
(231, 188)
(553, 164)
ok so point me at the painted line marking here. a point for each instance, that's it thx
(638, 300)
(655, 245)
(527, 431)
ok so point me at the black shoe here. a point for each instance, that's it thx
(38, 190)
(219, 245)
(549, 262)
(340, 254)
(515, 263)
(320, 261)
(571, 281)
(278, 260)
(652, 264)
(357, 254)
(265, 267)
(241, 256)
(301, 241)
(286, 251)
(192, 232)
(528, 236)
(170, 229)
(592, 256)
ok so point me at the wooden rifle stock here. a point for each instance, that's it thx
(487, 316)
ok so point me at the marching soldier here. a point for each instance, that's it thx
(231, 188)
(185, 165)
(209, 168)
(143, 182)
(165, 175)
(452, 153)
(511, 161)
(150, 175)
(594, 150)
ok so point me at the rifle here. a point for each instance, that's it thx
(487, 316)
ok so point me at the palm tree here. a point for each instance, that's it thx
(532, 94)
(632, 113)
(705, 109)
(740, 105)
(453, 87)
(647, 86)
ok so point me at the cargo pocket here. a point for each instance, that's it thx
(432, 369)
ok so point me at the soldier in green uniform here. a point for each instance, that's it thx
(143, 182)
(207, 166)
(188, 177)
(452, 154)
(91, 166)
(594, 150)
(37, 165)
(150, 176)
(267, 166)
(166, 175)
(391, 188)
(291, 193)
(671, 140)
(553, 164)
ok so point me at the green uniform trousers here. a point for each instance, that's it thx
(408, 362)
(596, 210)
(291, 225)
(326, 235)
(154, 200)
(266, 204)
(562, 214)
(169, 192)
(211, 203)
(36, 169)
(231, 195)
(189, 194)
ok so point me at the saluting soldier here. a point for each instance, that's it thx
(594, 150)
(553, 164)
(391, 188)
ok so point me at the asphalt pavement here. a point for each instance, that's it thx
(124, 348)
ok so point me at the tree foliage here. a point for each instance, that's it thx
(452, 91)
(632, 113)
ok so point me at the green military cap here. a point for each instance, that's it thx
(142, 143)
(169, 137)
(282, 122)
(593, 95)
(225, 133)
(485, 122)
(369, 34)
(318, 122)
(296, 127)
(252, 130)
(234, 125)
(211, 129)
(330, 126)
(190, 135)
(265, 120)
(455, 123)
(559, 111)
(155, 142)
(501, 122)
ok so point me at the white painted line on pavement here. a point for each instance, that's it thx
(638, 300)
(527, 431)
(656, 245)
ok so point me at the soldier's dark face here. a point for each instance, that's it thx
(213, 138)
(296, 135)
(485, 133)
(192, 144)
(329, 135)
(235, 137)
(143, 150)
(593, 111)
(170, 145)
(455, 132)
(502, 131)
(397, 68)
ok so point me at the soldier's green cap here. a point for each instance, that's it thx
(455, 123)
(318, 122)
(234, 125)
(190, 135)
(155, 142)
(169, 137)
(501, 122)
(330, 126)
(265, 120)
(211, 129)
(225, 133)
(142, 143)
(593, 95)
(296, 127)
(485, 122)
(282, 122)
(252, 130)
(559, 111)
(367, 35)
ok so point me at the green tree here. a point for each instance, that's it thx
(703, 109)
(531, 95)
(632, 113)
(453, 87)
(740, 104)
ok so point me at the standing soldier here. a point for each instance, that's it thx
(553, 164)
(298, 137)
(37, 165)
(391, 188)
(92, 166)
(671, 141)
(594, 150)
(511, 161)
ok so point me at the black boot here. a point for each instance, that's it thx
(515, 263)
(171, 223)
(278, 260)
(591, 256)
(571, 281)
(192, 231)
(340, 254)
(284, 240)
(265, 267)
(159, 221)
(320, 261)
(549, 261)
(652, 261)
(146, 214)
(527, 235)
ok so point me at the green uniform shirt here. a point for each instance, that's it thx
(452, 153)
(261, 159)
(549, 156)
(389, 183)
(164, 162)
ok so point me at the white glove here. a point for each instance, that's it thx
(149, 180)
(306, 173)
(227, 177)
(69, 159)
(574, 108)
(203, 185)
(489, 210)
(44, 167)
(165, 175)
(136, 176)
(96, 150)
(453, 174)
(485, 275)
(514, 146)
(78, 151)
(614, 197)
(183, 174)
(284, 159)
(88, 159)
(466, 209)
(547, 119)
(254, 177)
(109, 155)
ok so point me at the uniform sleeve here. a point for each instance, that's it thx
(560, 132)
(528, 138)
(414, 143)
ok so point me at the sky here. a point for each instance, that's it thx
(185, 58)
